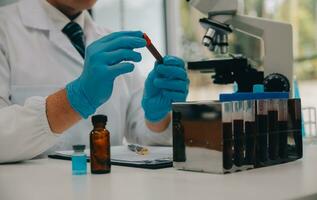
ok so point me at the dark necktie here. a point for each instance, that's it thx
(76, 35)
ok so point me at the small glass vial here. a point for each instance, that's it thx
(100, 161)
(79, 160)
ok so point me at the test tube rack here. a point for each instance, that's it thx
(232, 136)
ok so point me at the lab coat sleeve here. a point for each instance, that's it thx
(137, 131)
(24, 130)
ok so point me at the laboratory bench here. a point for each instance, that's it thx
(52, 179)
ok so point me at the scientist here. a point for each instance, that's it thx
(57, 68)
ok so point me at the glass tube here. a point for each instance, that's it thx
(250, 131)
(273, 107)
(227, 135)
(262, 131)
(283, 127)
(238, 134)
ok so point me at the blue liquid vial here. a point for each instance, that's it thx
(79, 160)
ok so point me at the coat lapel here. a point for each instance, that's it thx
(64, 44)
(33, 16)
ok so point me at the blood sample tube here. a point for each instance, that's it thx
(262, 131)
(238, 134)
(227, 135)
(250, 131)
(153, 49)
(283, 127)
(273, 107)
(295, 115)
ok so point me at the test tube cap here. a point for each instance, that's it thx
(79, 147)
(258, 88)
(99, 119)
(147, 39)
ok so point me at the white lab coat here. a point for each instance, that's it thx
(37, 60)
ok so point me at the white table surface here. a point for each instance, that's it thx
(47, 179)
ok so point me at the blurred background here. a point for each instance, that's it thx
(174, 28)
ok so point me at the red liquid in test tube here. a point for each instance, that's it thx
(152, 49)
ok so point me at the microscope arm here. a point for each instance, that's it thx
(277, 40)
(276, 37)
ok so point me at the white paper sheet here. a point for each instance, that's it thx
(123, 154)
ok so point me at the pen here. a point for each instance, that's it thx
(152, 49)
(138, 149)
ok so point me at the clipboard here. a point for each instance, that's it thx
(158, 158)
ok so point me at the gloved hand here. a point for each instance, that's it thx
(166, 83)
(103, 63)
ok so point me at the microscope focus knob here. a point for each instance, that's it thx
(276, 83)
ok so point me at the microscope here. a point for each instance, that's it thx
(246, 129)
(225, 17)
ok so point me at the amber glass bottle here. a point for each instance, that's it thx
(100, 161)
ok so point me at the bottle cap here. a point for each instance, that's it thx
(99, 119)
(258, 88)
(79, 148)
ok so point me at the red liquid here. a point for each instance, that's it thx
(273, 135)
(238, 142)
(283, 130)
(227, 145)
(152, 48)
(250, 148)
(298, 137)
(262, 138)
(294, 106)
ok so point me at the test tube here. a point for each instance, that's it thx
(238, 135)
(262, 131)
(283, 127)
(227, 135)
(152, 49)
(273, 107)
(250, 131)
(295, 116)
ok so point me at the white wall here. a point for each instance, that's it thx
(144, 15)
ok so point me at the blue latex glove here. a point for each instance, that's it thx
(103, 63)
(166, 83)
